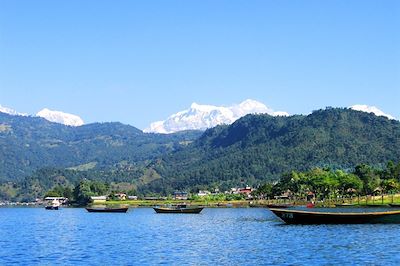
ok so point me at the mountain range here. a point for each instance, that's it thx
(36, 154)
(197, 117)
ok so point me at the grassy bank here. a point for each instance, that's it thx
(361, 201)
(150, 203)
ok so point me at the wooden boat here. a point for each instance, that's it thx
(346, 205)
(178, 209)
(106, 209)
(279, 206)
(51, 207)
(314, 217)
(377, 205)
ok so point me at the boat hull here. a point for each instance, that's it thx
(346, 205)
(51, 207)
(306, 217)
(173, 210)
(107, 210)
(279, 206)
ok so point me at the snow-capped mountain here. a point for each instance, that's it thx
(371, 109)
(206, 116)
(10, 111)
(60, 117)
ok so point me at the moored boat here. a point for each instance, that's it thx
(279, 205)
(322, 217)
(106, 209)
(346, 205)
(53, 205)
(178, 209)
(377, 205)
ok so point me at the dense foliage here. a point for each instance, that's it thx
(327, 183)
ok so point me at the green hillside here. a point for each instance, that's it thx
(261, 148)
(31, 143)
(37, 155)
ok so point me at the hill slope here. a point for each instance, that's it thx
(261, 147)
(30, 143)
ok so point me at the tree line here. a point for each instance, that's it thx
(326, 183)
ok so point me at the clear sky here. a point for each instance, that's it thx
(140, 61)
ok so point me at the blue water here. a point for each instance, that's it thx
(249, 236)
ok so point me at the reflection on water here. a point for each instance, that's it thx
(249, 236)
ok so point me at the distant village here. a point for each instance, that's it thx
(179, 195)
(245, 192)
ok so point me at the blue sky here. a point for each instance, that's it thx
(140, 61)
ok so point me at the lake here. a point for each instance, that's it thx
(232, 236)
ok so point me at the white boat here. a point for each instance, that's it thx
(53, 205)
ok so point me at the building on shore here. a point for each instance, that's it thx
(180, 195)
(203, 193)
(98, 199)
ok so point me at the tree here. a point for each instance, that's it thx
(369, 178)
(390, 185)
(52, 193)
(86, 188)
(264, 191)
(349, 183)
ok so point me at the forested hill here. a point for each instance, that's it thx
(37, 155)
(31, 143)
(261, 147)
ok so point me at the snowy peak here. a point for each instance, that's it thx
(52, 116)
(60, 117)
(371, 109)
(201, 117)
(10, 111)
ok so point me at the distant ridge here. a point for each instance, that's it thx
(29, 143)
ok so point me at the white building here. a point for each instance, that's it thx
(203, 193)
